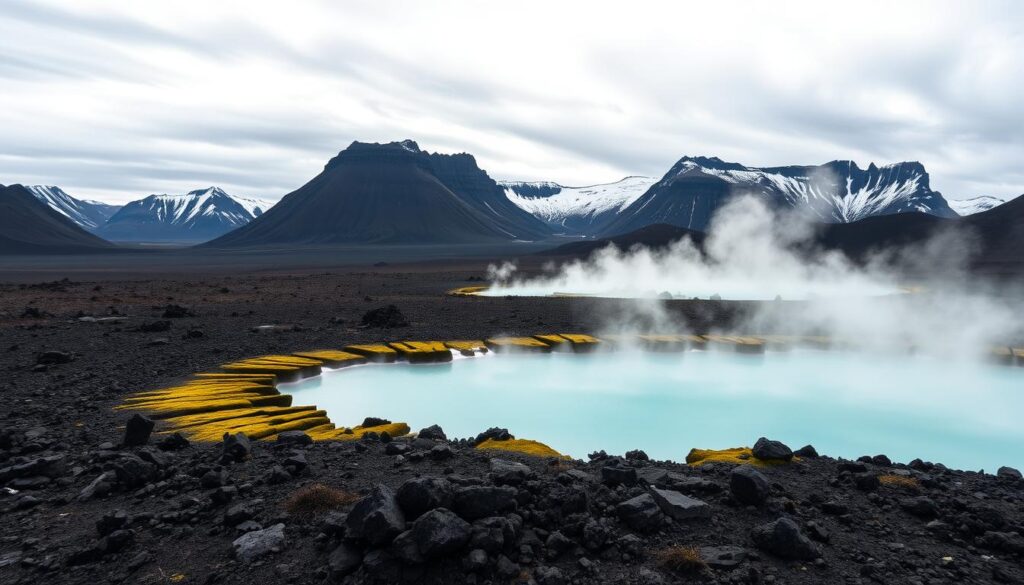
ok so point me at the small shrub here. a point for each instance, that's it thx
(900, 482)
(680, 559)
(317, 498)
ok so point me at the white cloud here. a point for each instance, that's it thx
(116, 100)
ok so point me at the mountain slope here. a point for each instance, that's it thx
(29, 226)
(965, 207)
(576, 210)
(836, 192)
(394, 194)
(196, 216)
(89, 215)
(653, 236)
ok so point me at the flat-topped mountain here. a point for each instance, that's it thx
(392, 193)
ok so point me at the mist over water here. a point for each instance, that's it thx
(921, 298)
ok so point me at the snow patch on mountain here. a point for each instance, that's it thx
(87, 214)
(575, 208)
(975, 204)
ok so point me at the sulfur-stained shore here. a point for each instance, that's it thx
(79, 506)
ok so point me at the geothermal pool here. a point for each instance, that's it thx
(964, 415)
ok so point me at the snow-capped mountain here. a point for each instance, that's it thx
(196, 216)
(975, 204)
(89, 215)
(836, 192)
(576, 210)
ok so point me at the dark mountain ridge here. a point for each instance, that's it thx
(29, 226)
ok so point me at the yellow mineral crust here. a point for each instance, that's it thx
(467, 348)
(526, 446)
(737, 455)
(375, 352)
(422, 351)
(516, 344)
(333, 358)
(467, 291)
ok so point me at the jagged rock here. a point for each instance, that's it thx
(1009, 473)
(137, 430)
(382, 565)
(807, 452)
(492, 533)
(768, 449)
(440, 532)
(723, 557)
(783, 538)
(112, 521)
(493, 433)
(475, 561)
(422, 494)
(50, 466)
(748, 485)
(637, 455)
(867, 482)
(922, 507)
(258, 543)
(376, 518)
(510, 472)
(239, 513)
(641, 513)
(299, 438)
(100, 486)
(214, 478)
(433, 432)
(474, 502)
(173, 442)
(614, 474)
(556, 544)
(404, 548)
(679, 506)
(133, 471)
(549, 576)
(236, 447)
(373, 421)
(343, 561)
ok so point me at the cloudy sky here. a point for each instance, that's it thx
(115, 100)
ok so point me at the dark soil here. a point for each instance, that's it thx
(71, 350)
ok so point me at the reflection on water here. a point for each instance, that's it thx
(964, 415)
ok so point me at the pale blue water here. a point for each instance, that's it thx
(964, 415)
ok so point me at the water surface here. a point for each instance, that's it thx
(965, 415)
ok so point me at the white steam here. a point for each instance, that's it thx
(751, 253)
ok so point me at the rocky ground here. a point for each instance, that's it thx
(80, 506)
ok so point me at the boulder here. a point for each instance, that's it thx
(679, 506)
(137, 430)
(510, 472)
(343, 561)
(439, 533)
(641, 513)
(723, 558)
(385, 317)
(422, 494)
(748, 485)
(768, 449)
(783, 538)
(614, 474)
(376, 518)
(1008, 473)
(477, 501)
(258, 543)
(433, 432)
(236, 447)
(294, 438)
(922, 507)
(807, 452)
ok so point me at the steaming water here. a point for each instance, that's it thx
(965, 415)
(734, 290)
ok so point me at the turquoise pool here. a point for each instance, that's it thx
(965, 415)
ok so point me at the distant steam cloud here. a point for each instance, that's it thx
(917, 299)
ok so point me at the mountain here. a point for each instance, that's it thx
(974, 205)
(196, 216)
(576, 210)
(655, 236)
(87, 214)
(836, 192)
(30, 226)
(392, 193)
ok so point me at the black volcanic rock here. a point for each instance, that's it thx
(29, 226)
(391, 193)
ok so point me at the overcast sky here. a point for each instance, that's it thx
(115, 100)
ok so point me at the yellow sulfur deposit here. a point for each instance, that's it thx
(333, 358)
(422, 351)
(526, 446)
(738, 455)
(467, 348)
(513, 344)
(374, 352)
(467, 291)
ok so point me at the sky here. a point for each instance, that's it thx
(115, 100)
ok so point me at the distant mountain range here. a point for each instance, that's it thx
(89, 215)
(195, 217)
(396, 193)
(576, 210)
(392, 193)
(27, 226)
